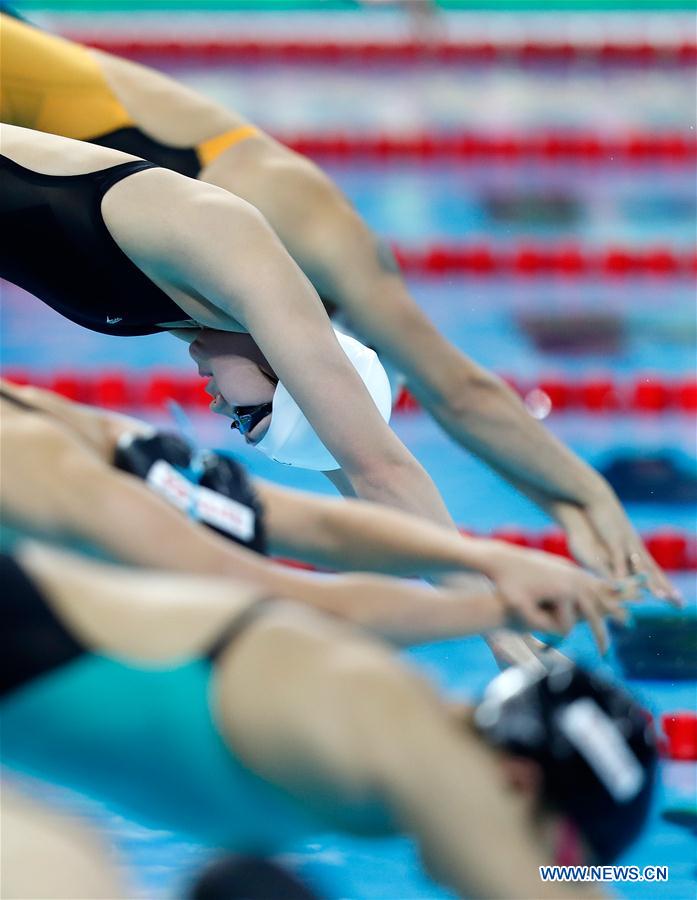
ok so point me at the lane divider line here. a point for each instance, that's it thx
(567, 146)
(644, 394)
(674, 549)
(525, 261)
(644, 53)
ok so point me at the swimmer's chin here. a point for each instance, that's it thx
(257, 433)
(220, 407)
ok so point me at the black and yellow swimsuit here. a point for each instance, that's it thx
(53, 85)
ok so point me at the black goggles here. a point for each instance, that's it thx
(245, 418)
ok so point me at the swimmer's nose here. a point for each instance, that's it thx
(203, 370)
(198, 358)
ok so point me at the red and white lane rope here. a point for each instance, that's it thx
(594, 395)
(546, 147)
(673, 549)
(568, 260)
(403, 51)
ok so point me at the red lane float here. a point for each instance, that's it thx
(673, 550)
(645, 395)
(595, 395)
(527, 261)
(470, 147)
(151, 389)
(399, 52)
(680, 729)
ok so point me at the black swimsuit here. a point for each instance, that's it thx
(34, 641)
(56, 245)
(132, 140)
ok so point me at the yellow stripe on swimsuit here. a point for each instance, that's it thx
(212, 148)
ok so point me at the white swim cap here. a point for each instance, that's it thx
(291, 439)
(396, 378)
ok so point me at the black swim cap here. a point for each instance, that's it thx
(594, 744)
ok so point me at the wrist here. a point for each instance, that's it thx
(499, 612)
(491, 557)
(595, 490)
(471, 612)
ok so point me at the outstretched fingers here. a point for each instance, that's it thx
(594, 612)
(642, 563)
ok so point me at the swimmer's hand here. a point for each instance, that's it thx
(541, 592)
(602, 538)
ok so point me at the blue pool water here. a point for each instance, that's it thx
(482, 317)
(617, 204)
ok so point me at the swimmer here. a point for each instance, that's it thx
(248, 722)
(54, 85)
(59, 478)
(116, 260)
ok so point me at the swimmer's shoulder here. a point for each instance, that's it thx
(50, 154)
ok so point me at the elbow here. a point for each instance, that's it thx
(231, 215)
(474, 392)
(251, 223)
(388, 476)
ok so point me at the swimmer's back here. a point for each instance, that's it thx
(57, 86)
(52, 85)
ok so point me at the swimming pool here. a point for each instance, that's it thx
(482, 317)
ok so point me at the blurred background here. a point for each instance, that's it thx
(534, 164)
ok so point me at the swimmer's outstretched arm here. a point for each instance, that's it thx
(537, 588)
(353, 535)
(53, 483)
(228, 270)
(359, 274)
(532, 588)
(485, 416)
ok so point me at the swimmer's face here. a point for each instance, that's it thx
(239, 375)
